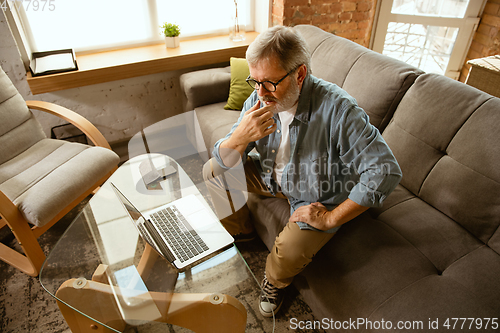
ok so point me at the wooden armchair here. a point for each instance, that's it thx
(42, 179)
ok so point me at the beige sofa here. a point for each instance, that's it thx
(433, 251)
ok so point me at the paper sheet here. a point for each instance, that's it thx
(55, 62)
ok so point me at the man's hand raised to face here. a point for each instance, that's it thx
(255, 124)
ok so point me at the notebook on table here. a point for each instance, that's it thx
(183, 231)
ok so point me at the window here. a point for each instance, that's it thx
(433, 35)
(441, 8)
(90, 25)
(424, 46)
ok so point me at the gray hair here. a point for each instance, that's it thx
(286, 44)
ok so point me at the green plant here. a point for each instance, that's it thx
(170, 29)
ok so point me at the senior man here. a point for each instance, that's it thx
(313, 146)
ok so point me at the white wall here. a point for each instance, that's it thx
(119, 109)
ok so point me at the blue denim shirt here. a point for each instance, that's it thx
(335, 152)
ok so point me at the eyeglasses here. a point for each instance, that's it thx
(268, 85)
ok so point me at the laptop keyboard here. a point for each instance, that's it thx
(185, 242)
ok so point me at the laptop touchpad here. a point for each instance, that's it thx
(199, 219)
(194, 211)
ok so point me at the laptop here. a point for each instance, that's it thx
(183, 231)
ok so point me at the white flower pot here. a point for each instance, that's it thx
(172, 42)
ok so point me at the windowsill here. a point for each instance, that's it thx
(127, 63)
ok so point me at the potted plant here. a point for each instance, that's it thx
(171, 32)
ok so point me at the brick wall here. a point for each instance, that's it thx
(486, 40)
(352, 19)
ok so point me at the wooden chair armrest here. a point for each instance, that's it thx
(8, 210)
(74, 118)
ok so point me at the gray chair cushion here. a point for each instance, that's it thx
(48, 176)
(42, 176)
(18, 127)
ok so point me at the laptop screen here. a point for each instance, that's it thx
(134, 213)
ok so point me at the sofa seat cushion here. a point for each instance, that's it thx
(399, 195)
(51, 174)
(478, 273)
(215, 122)
(270, 216)
(440, 239)
(363, 266)
(445, 296)
(436, 235)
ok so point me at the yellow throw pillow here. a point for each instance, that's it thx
(239, 89)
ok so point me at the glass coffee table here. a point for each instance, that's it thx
(106, 278)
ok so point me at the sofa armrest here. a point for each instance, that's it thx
(205, 87)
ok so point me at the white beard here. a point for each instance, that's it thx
(286, 102)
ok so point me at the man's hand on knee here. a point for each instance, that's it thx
(315, 214)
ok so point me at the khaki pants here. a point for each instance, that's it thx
(293, 249)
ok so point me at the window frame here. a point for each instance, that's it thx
(16, 19)
(467, 25)
(124, 63)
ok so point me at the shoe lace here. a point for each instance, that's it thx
(270, 290)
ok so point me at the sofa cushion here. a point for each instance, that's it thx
(376, 82)
(204, 87)
(312, 35)
(270, 216)
(362, 267)
(443, 297)
(494, 241)
(478, 273)
(215, 122)
(333, 57)
(239, 90)
(440, 239)
(386, 78)
(444, 136)
(36, 181)
(399, 195)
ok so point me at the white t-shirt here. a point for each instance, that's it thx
(283, 155)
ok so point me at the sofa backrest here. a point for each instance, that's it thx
(445, 136)
(19, 129)
(377, 82)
